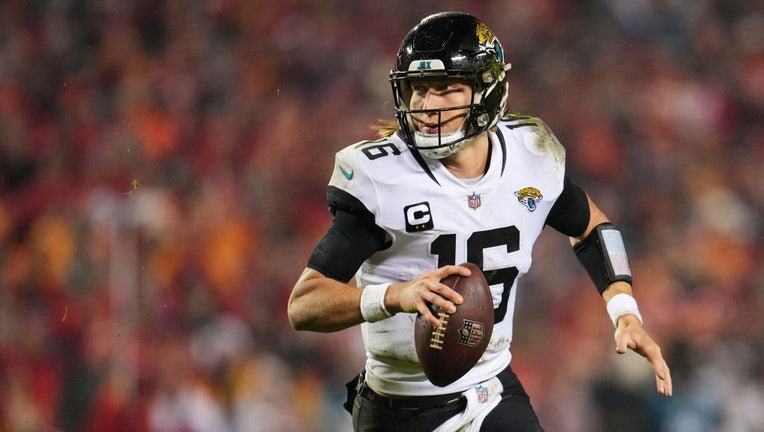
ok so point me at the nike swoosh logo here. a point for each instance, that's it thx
(348, 175)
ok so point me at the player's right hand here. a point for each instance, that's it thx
(416, 295)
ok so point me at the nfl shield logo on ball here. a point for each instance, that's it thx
(471, 333)
(473, 200)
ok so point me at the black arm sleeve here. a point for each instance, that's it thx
(351, 239)
(570, 213)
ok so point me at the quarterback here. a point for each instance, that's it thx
(456, 179)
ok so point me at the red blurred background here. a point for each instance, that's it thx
(163, 167)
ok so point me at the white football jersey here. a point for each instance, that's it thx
(434, 219)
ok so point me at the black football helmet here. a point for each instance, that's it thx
(450, 45)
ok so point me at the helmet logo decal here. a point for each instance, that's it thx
(530, 197)
(488, 40)
(426, 64)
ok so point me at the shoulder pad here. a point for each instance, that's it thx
(544, 142)
(358, 169)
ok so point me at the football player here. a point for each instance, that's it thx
(456, 179)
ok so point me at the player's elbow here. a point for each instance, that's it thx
(302, 315)
(296, 315)
(308, 308)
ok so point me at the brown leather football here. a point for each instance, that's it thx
(449, 351)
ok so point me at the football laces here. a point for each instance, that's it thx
(436, 341)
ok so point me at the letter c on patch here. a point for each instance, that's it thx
(418, 217)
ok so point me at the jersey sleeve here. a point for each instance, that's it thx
(351, 189)
(542, 153)
(541, 140)
(570, 213)
(354, 234)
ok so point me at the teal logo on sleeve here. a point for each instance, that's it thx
(348, 174)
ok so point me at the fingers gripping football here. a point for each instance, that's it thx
(417, 296)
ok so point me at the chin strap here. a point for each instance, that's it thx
(432, 140)
(440, 145)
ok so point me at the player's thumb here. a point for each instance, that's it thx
(621, 345)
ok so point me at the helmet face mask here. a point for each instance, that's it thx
(457, 47)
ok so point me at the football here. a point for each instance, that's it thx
(447, 352)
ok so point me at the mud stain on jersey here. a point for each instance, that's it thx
(498, 342)
(546, 142)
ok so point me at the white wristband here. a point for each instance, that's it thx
(373, 302)
(620, 305)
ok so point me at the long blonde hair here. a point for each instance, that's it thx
(385, 128)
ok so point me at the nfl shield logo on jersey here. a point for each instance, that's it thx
(473, 200)
(482, 394)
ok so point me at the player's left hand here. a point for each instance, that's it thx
(631, 335)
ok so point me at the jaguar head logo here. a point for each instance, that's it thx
(488, 40)
(530, 197)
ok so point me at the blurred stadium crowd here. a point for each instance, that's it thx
(163, 166)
